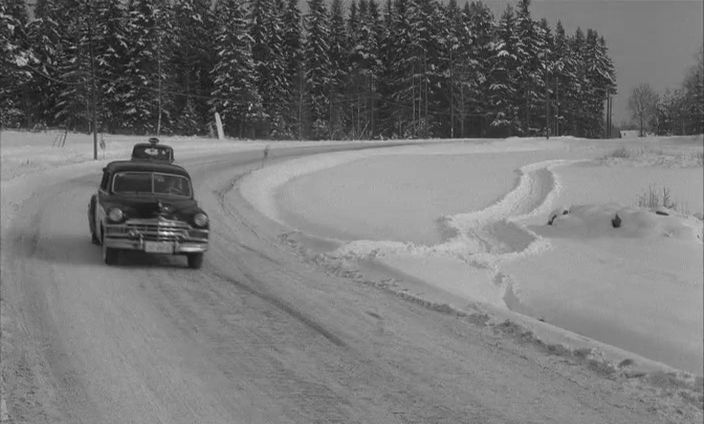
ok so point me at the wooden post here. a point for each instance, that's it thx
(557, 109)
(158, 61)
(547, 104)
(93, 96)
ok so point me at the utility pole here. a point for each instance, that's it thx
(158, 64)
(546, 79)
(413, 97)
(452, 97)
(372, 95)
(557, 108)
(611, 112)
(93, 96)
(547, 108)
(608, 115)
(300, 104)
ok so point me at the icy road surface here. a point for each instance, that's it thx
(257, 336)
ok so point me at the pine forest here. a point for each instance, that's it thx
(355, 70)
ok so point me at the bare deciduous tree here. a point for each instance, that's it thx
(643, 104)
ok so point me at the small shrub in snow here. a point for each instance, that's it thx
(699, 158)
(601, 367)
(626, 363)
(557, 212)
(583, 353)
(621, 153)
(558, 349)
(654, 198)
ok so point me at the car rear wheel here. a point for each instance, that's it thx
(195, 260)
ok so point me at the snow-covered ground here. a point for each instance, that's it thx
(465, 223)
(454, 223)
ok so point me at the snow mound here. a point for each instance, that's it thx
(615, 220)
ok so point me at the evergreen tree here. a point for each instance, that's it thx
(148, 52)
(293, 75)
(542, 117)
(43, 8)
(318, 72)
(401, 77)
(427, 25)
(189, 121)
(365, 36)
(691, 114)
(338, 54)
(15, 60)
(17, 11)
(478, 87)
(91, 64)
(386, 126)
(235, 95)
(372, 31)
(424, 68)
(503, 89)
(599, 74)
(268, 36)
(575, 93)
(44, 36)
(459, 67)
(192, 63)
(76, 65)
(530, 50)
(565, 78)
(111, 57)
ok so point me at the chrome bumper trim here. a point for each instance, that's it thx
(179, 247)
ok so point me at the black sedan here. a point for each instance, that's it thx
(148, 206)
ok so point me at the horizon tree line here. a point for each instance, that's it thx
(401, 69)
(676, 112)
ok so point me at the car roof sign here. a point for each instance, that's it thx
(153, 152)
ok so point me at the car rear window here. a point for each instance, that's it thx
(152, 152)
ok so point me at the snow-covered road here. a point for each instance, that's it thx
(257, 336)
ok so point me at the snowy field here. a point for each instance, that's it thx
(466, 224)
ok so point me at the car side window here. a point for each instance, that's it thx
(105, 181)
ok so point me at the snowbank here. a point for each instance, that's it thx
(614, 220)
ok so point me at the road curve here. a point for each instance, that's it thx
(256, 336)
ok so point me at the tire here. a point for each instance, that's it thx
(91, 222)
(110, 255)
(195, 260)
(94, 238)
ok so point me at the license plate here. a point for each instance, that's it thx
(158, 247)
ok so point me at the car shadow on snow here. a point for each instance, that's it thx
(128, 258)
(78, 250)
